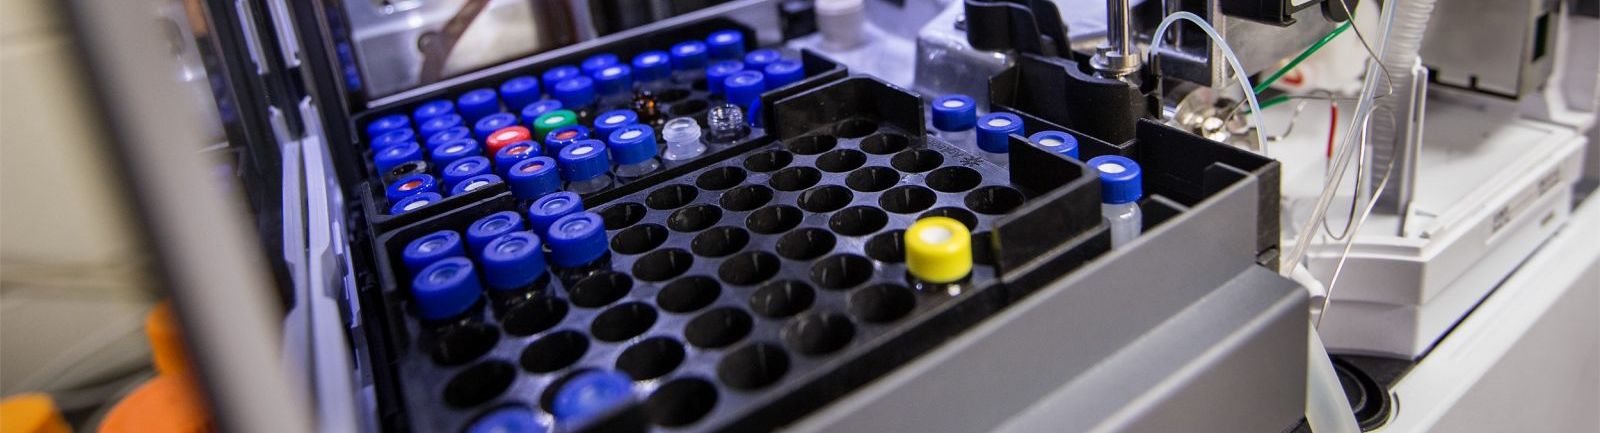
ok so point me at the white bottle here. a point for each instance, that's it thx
(1120, 190)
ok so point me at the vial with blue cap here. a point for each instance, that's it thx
(759, 59)
(513, 419)
(387, 123)
(513, 154)
(688, 61)
(556, 75)
(446, 292)
(634, 149)
(533, 178)
(1121, 186)
(393, 137)
(784, 72)
(593, 64)
(614, 84)
(414, 202)
(513, 265)
(430, 248)
(563, 137)
(452, 151)
(651, 69)
(474, 183)
(1057, 142)
(447, 136)
(954, 118)
(431, 109)
(725, 45)
(520, 91)
(717, 74)
(578, 246)
(463, 169)
(410, 186)
(744, 90)
(532, 111)
(406, 169)
(490, 227)
(577, 94)
(438, 124)
(993, 132)
(390, 157)
(477, 104)
(551, 207)
(584, 165)
(683, 139)
(611, 120)
(487, 126)
(591, 395)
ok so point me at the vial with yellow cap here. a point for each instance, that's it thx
(938, 253)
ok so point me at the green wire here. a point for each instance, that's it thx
(1296, 62)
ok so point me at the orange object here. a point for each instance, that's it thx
(31, 413)
(170, 403)
(166, 341)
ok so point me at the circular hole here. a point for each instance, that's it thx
(623, 321)
(812, 144)
(782, 298)
(954, 179)
(955, 213)
(534, 315)
(462, 344)
(983, 248)
(841, 271)
(994, 200)
(718, 328)
(681, 402)
(669, 96)
(720, 241)
(884, 144)
(872, 179)
(555, 351)
(774, 219)
(720, 178)
(916, 160)
(600, 289)
(769, 160)
(753, 367)
(858, 220)
(639, 238)
(749, 268)
(826, 198)
(688, 294)
(855, 128)
(651, 358)
(622, 215)
(795, 178)
(694, 218)
(882, 303)
(688, 108)
(478, 384)
(746, 197)
(888, 247)
(671, 197)
(805, 244)
(818, 334)
(841, 160)
(662, 265)
(907, 199)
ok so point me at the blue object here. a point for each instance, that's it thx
(410, 185)
(583, 160)
(438, 124)
(446, 289)
(489, 227)
(477, 104)
(744, 89)
(651, 65)
(463, 169)
(577, 239)
(719, 72)
(491, 123)
(448, 136)
(613, 80)
(509, 420)
(632, 144)
(513, 261)
(392, 156)
(431, 109)
(784, 72)
(549, 208)
(534, 110)
(955, 112)
(557, 75)
(387, 123)
(688, 56)
(1056, 142)
(591, 394)
(520, 91)
(414, 202)
(759, 59)
(514, 153)
(596, 62)
(993, 129)
(533, 178)
(611, 120)
(725, 45)
(473, 184)
(562, 137)
(430, 248)
(1120, 178)
(575, 92)
(393, 137)
(452, 151)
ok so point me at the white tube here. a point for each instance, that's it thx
(1327, 408)
(1227, 52)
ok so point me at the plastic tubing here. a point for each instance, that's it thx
(1327, 408)
(1227, 52)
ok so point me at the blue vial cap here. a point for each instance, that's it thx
(583, 160)
(477, 104)
(784, 72)
(557, 75)
(591, 394)
(688, 56)
(759, 59)
(651, 65)
(533, 178)
(1056, 142)
(520, 91)
(430, 248)
(489, 227)
(575, 92)
(534, 110)
(1119, 179)
(463, 169)
(434, 108)
(449, 135)
(452, 151)
(509, 420)
(438, 124)
(993, 129)
(491, 123)
(446, 289)
(562, 137)
(614, 79)
(611, 120)
(596, 62)
(392, 156)
(414, 202)
(725, 44)
(393, 137)
(718, 73)
(632, 144)
(744, 88)
(551, 207)
(955, 113)
(409, 186)
(577, 239)
(473, 184)
(513, 261)
(387, 123)
(514, 153)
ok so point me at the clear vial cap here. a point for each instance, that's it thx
(727, 123)
(683, 139)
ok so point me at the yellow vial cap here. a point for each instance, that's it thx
(938, 250)
(31, 413)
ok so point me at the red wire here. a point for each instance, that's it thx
(1333, 126)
